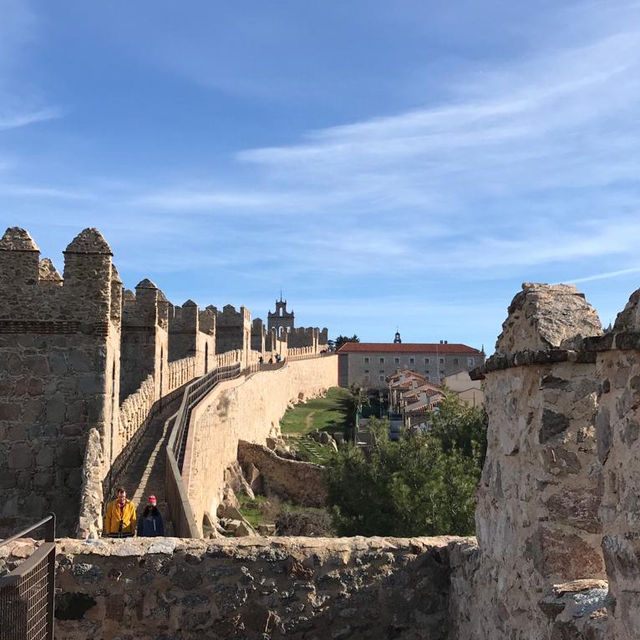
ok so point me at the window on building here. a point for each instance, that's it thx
(455, 361)
(381, 371)
(366, 359)
(381, 378)
(381, 360)
(396, 360)
(470, 362)
(366, 370)
(428, 378)
(441, 360)
(426, 360)
(412, 360)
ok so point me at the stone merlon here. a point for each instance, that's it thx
(17, 239)
(543, 317)
(89, 241)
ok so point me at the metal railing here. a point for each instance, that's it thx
(182, 517)
(27, 594)
(192, 396)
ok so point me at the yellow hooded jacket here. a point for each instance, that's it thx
(112, 519)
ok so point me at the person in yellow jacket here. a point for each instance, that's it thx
(120, 520)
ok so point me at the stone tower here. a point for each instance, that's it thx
(281, 320)
(59, 372)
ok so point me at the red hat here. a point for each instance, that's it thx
(152, 499)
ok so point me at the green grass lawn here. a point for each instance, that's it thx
(252, 509)
(330, 413)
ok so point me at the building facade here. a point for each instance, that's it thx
(368, 364)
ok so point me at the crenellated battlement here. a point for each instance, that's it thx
(59, 370)
(84, 363)
(33, 290)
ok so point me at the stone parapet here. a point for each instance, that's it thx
(251, 589)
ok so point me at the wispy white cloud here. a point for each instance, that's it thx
(14, 120)
(605, 276)
(527, 165)
(21, 104)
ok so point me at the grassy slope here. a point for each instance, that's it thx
(325, 414)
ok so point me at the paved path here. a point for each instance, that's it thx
(145, 474)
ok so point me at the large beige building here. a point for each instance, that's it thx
(369, 363)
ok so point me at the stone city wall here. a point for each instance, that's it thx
(251, 589)
(181, 371)
(244, 409)
(269, 588)
(302, 483)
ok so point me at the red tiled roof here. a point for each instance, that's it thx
(405, 347)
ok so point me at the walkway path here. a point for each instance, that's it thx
(145, 474)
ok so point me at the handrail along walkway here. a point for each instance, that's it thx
(184, 523)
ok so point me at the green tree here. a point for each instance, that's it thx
(459, 426)
(421, 485)
(340, 340)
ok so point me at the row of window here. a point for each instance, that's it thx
(367, 377)
(470, 361)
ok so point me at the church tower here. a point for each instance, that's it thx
(281, 320)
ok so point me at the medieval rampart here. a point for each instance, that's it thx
(84, 368)
(244, 409)
(558, 517)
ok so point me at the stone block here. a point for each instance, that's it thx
(36, 365)
(44, 478)
(10, 411)
(564, 555)
(91, 383)
(55, 410)
(32, 410)
(69, 454)
(7, 479)
(81, 361)
(34, 506)
(21, 456)
(44, 456)
(553, 425)
(58, 363)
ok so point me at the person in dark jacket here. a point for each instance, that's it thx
(150, 523)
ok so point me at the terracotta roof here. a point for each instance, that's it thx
(405, 347)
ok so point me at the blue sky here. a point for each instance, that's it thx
(384, 163)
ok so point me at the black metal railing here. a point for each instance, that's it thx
(27, 594)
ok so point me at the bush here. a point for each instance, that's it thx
(314, 522)
(420, 485)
